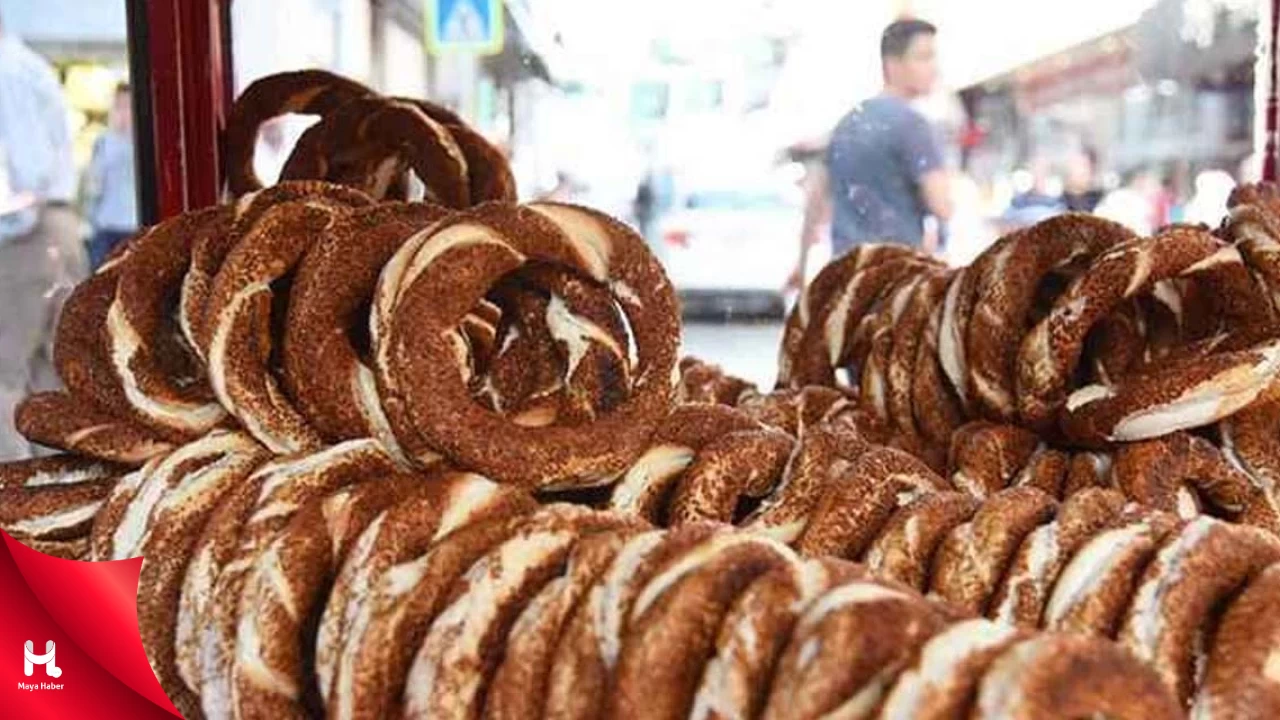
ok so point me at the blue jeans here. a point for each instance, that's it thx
(101, 244)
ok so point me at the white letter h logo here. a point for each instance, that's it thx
(30, 659)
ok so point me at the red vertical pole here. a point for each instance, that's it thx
(189, 100)
(1271, 122)
(165, 68)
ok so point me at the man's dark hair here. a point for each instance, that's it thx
(897, 37)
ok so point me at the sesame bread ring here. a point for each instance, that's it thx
(823, 453)
(305, 92)
(855, 506)
(63, 511)
(584, 662)
(938, 409)
(1024, 591)
(324, 368)
(407, 601)
(905, 353)
(1249, 442)
(427, 398)
(120, 529)
(396, 538)
(173, 527)
(80, 353)
(286, 591)
(239, 315)
(1053, 675)
(793, 411)
(675, 620)
(1177, 396)
(986, 457)
(1093, 591)
(942, 682)
(110, 514)
(56, 470)
(462, 648)
(970, 563)
(812, 305)
(488, 172)
(73, 424)
(754, 633)
(1181, 474)
(566, 345)
(209, 251)
(1046, 470)
(1198, 568)
(827, 342)
(707, 383)
(846, 650)
(257, 511)
(1052, 349)
(735, 466)
(1240, 679)
(1005, 293)
(161, 376)
(646, 487)
(518, 690)
(77, 549)
(369, 141)
(873, 368)
(903, 549)
(1254, 226)
(1087, 469)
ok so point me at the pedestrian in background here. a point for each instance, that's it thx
(883, 171)
(111, 193)
(41, 255)
(1080, 192)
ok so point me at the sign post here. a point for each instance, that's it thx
(473, 27)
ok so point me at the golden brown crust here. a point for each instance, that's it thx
(427, 397)
(1179, 594)
(518, 689)
(975, 556)
(1240, 678)
(675, 621)
(855, 505)
(847, 648)
(1069, 676)
(73, 424)
(323, 370)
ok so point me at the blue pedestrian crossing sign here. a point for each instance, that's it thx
(463, 26)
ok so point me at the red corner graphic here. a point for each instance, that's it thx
(95, 666)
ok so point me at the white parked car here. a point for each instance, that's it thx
(730, 250)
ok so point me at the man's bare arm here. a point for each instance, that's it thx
(817, 215)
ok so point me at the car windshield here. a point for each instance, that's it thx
(735, 200)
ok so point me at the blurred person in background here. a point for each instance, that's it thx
(1208, 202)
(1080, 191)
(41, 255)
(1034, 197)
(883, 171)
(1136, 203)
(111, 194)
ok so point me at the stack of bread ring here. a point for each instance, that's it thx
(339, 584)
(395, 456)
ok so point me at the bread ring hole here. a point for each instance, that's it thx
(280, 291)
(274, 143)
(172, 353)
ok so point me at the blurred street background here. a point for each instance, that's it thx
(701, 122)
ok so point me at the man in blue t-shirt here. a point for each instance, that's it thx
(883, 171)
